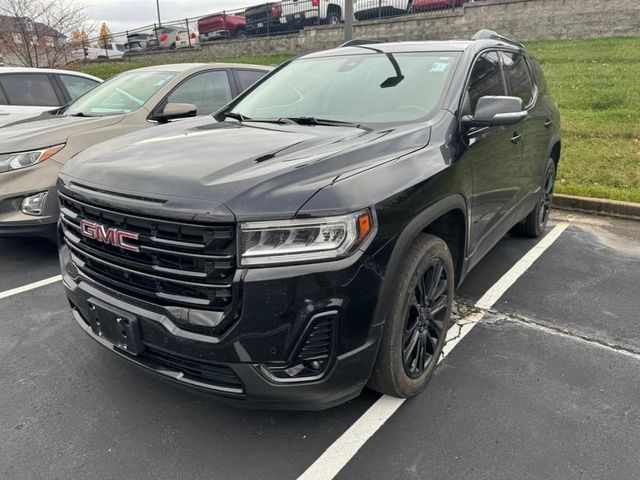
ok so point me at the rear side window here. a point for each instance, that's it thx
(246, 78)
(486, 79)
(208, 91)
(29, 89)
(3, 99)
(76, 86)
(518, 76)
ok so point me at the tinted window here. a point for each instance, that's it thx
(207, 91)
(517, 73)
(29, 89)
(76, 86)
(486, 79)
(3, 99)
(246, 78)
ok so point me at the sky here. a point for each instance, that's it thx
(121, 15)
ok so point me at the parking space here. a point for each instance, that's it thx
(544, 386)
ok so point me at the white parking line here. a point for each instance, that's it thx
(329, 464)
(31, 286)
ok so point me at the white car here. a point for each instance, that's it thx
(187, 39)
(372, 9)
(27, 92)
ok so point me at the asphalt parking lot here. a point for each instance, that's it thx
(543, 382)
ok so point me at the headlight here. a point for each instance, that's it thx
(15, 161)
(303, 241)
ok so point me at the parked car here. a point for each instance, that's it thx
(264, 19)
(26, 92)
(167, 37)
(372, 9)
(187, 39)
(111, 50)
(309, 242)
(32, 152)
(418, 6)
(139, 42)
(313, 12)
(221, 25)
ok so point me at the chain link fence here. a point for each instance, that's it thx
(265, 19)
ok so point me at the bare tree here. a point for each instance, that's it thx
(35, 33)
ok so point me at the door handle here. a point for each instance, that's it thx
(548, 123)
(516, 138)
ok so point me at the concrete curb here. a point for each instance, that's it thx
(597, 206)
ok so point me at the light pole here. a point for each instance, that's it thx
(158, 9)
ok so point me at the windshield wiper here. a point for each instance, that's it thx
(325, 121)
(81, 114)
(236, 116)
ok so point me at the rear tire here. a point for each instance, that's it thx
(535, 223)
(417, 321)
(334, 17)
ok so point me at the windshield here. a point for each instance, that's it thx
(122, 94)
(361, 89)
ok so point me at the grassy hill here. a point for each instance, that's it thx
(597, 86)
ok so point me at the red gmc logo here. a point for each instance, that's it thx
(112, 236)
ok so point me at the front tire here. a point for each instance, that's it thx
(535, 223)
(417, 321)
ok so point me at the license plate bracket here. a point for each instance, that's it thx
(116, 326)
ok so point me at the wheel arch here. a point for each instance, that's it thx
(447, 219)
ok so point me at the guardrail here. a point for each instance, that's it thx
(264, 19)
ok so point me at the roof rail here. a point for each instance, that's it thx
(359, 41)
(491, 35)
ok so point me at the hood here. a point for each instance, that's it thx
(256, 170)
(47, 129)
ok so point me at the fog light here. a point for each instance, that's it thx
(34, 204)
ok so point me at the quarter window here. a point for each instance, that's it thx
(246, 78)
(29, 89)
(207, 91)
(486, 79)
(76, 86)
(518, 76)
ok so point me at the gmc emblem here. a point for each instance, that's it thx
(111, 236)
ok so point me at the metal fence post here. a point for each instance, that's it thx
(379, 8)
(227, 33)
(348, 20)
(155, 30)
(188, 32)
(268, 18)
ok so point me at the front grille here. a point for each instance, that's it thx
(214, 374)
(179, 264)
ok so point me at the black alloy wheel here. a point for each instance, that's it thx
(426, 316)
(535, 223)
(547, 196)
(418, 303)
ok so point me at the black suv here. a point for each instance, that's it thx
(308, 241)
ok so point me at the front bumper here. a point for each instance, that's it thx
(18, 184)
(274, 315)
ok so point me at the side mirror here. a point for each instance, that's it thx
(173, 111)
(494, 111)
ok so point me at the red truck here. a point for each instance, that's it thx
(222, 25)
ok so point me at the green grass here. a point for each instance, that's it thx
(106, 70)
(597, 86)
